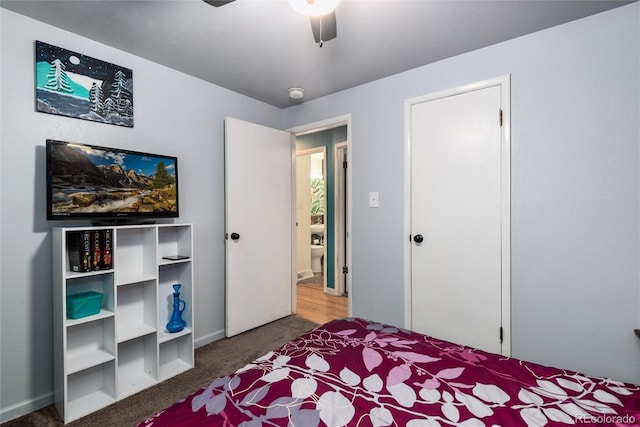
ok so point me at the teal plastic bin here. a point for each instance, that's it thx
(83, 304)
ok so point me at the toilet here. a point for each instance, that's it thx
(317, 251)
(317, 248)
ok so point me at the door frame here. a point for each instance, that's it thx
(341, 205)
(504, 82)
(312, 128)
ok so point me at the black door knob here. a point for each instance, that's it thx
(418, 238)
(235, 236)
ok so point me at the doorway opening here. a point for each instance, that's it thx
(311, 218)
(321, 283)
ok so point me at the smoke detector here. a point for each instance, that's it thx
(296, 93)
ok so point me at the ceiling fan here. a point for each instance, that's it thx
(323, 21)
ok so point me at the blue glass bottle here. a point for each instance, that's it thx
(176, 323)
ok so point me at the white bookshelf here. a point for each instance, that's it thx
(125, 348)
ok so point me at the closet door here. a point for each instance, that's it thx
(458, 218)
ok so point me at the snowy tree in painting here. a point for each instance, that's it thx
(108, 107)
(57, 78)
(95, 98)
(128, 111)
(120, 93)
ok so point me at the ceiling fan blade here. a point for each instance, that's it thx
(218, 3)
(324, 27)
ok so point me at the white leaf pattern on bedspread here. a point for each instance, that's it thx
(403, 394)
(349, 377)
(317, 363)
(351, 372)
(490, 393)
(606, 397)
(381, 417)
(335, 409)
(277, 375)
(373, 383)
(301, 388)
(474, 405)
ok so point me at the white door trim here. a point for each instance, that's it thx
(315, 127)
(340, 238)
(505, 85)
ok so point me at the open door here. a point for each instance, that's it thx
(258, 225)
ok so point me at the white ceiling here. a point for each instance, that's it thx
(261, 48)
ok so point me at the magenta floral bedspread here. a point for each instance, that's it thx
(352, 372)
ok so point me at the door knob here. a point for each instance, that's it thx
(235, 236)
(418, 238)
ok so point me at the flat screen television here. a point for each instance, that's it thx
(109, 184)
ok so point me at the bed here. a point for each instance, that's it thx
(353, 372)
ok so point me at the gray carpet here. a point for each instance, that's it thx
(212, 361)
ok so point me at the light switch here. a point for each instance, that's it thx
(374, 199)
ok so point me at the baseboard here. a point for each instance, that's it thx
(331, 291)
(217, 335)
(306, 274)
(25, 407)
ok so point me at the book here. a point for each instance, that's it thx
(74, 250)
(107, 244)
(96, 250)
(85, 251)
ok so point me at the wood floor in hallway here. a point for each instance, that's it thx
(313, 304)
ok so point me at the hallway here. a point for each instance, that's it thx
(313, 304)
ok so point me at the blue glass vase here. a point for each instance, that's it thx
(176, 323)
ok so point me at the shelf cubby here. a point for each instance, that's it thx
(174, 240)
(89, 390)
(169, 275)
(102, 283)
(90, 344)
(137, 365)
(176, 355)
(135, 254)
(136, 310)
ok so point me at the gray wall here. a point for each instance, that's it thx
(187, 123)
(575, 187)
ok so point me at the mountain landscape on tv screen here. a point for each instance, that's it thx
(89, 181)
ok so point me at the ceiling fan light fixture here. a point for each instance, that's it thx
(296, 93)
(314, 7)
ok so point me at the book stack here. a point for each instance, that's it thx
(90, 250)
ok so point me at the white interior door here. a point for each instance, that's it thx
(458, 218)
(259, 218)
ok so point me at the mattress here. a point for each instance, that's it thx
(354, 372)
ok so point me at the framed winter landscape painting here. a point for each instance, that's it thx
(75, 85)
